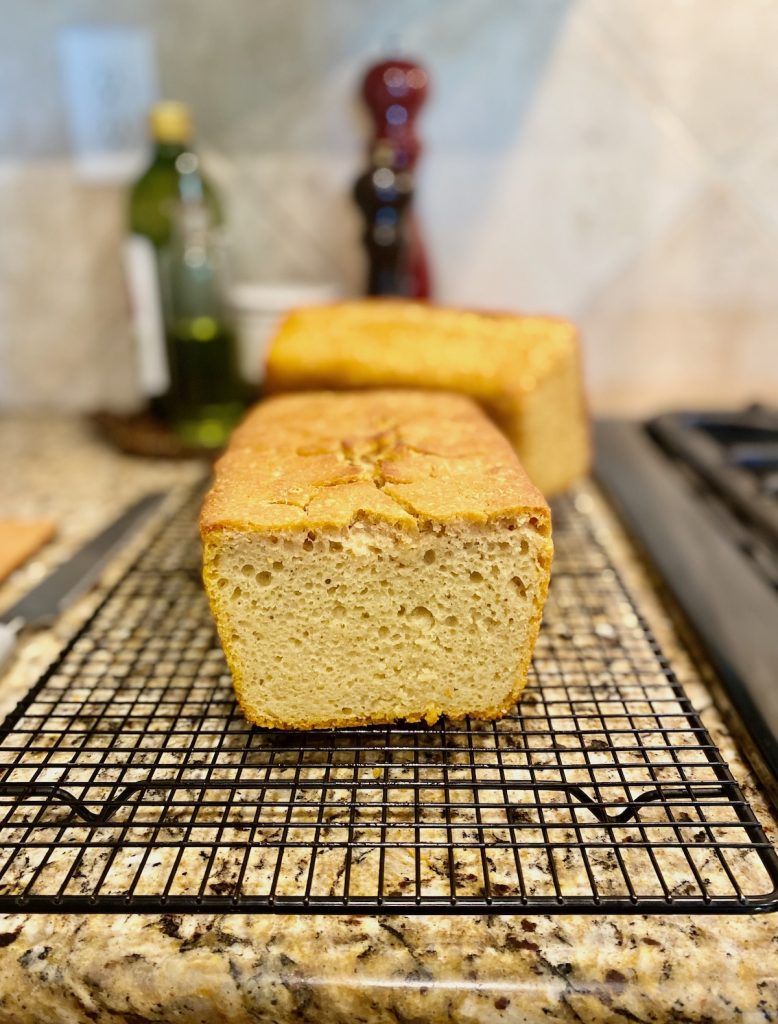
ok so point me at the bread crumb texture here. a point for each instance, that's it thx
(525, 371)
(374, 556)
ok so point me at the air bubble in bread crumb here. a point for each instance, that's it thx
(422, 617)
(541, 528)
(264, 578)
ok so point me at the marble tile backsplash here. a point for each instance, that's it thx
(615, 161)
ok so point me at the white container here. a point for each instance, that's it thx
(260, 308)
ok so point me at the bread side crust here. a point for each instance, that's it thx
(397, 342)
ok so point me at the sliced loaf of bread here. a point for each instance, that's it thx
(374, 556)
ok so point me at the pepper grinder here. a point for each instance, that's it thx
(394, 92)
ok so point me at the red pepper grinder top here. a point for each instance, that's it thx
(394, 91)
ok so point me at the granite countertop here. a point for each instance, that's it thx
(405, 970)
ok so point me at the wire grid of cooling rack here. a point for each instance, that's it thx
(130, 781)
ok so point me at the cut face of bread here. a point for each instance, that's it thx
(368, 580)
(525, 371)
(373, 624)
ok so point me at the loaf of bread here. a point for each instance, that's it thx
(525, 371)
(374, 556)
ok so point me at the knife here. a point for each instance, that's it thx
(42, 605)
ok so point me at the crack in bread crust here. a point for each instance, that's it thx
(448, 466)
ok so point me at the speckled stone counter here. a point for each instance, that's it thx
(336, 969)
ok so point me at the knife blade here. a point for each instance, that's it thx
(42, 605)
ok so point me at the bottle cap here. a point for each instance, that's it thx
(171, 122)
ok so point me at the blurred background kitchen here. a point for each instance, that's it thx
(613, 161)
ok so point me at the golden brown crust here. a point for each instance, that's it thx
(324, 460)
(393, 342)
(429, 717)
(525, 371)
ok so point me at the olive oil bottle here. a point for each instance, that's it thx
(206, 396)
(154, 198)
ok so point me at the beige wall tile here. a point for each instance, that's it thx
(590, 179)
(757, 177)
(292, 217)
(694, 321)
(709, 62)
(65, 313)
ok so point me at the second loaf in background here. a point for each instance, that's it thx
(524, 370)
(374, 556)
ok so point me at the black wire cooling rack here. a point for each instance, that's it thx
(129, 780)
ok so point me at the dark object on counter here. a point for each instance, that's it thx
(394, 92)
(144, 434)
(698, 491)
(601, 793)
(383, 194)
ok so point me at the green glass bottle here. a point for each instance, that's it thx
(206, 397)
(153, 201)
